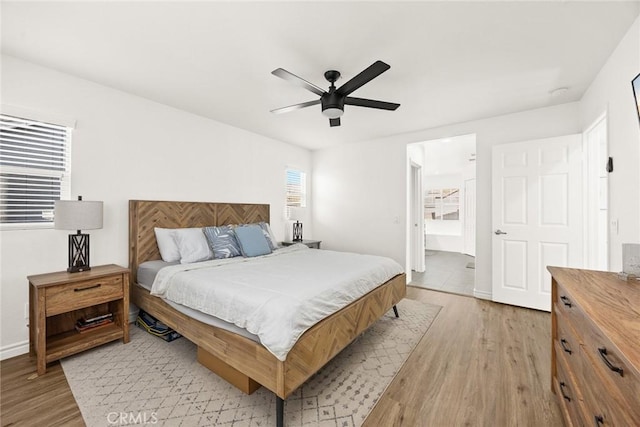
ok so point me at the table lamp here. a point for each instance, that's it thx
(296, 214)
(78, 215)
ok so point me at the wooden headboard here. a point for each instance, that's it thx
(144, 215)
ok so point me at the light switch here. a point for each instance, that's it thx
(613, 226)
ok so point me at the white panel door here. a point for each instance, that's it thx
(537, 217)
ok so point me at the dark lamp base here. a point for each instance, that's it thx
(78, 253)
(297, 231)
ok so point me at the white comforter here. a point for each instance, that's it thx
(277, 296)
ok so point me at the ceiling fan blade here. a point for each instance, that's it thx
(334, 122)
(284, 74)
(368, 74)
(295, 107)
(371, 103)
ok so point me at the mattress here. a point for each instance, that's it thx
(277, 296)
(147, 272)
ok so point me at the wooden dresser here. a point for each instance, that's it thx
(595, 356)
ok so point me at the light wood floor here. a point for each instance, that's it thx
(480, 364)
(42, 401)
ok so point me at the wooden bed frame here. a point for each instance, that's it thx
(245, 363)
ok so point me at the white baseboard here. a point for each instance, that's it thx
(14, 350)
(483, 295)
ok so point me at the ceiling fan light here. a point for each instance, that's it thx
(332, 112)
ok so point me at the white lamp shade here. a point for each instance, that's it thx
(77, 215)
(296, 214)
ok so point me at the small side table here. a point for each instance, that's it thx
(313, 244)
(58, 300)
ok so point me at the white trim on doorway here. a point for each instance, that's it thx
(596, 198)
(416, 224)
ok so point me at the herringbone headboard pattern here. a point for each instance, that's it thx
(234, 213)
(145, 215)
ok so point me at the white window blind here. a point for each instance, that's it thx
(296, 189)
(35, 172)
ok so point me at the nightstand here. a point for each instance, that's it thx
(313, 244)
(58, 300)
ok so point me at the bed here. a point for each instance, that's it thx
(238, 359)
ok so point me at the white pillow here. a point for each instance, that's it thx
(192, 245)
(166, 243)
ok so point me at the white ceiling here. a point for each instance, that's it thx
(450, 61)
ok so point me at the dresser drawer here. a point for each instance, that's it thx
(72, 296)
(606, 362)
(566, 306)
(568, 343)
(603, 406)
(568, 396)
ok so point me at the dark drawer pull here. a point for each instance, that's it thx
(563, 343)
(87, 288)
(598, 420)
(603, 355)
(566, 301)
(562, 386)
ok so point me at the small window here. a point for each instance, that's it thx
(296, 189)
(34, 157)
(442, 204)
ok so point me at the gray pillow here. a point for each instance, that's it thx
(252, 240)
(222, 241)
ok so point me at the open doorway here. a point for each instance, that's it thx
(448, 208)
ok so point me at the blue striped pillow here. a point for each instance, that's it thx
(222, 241)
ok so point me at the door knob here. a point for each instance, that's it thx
(498, 231)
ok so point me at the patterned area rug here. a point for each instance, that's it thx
(150, 381)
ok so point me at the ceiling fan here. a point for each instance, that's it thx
(334, 100)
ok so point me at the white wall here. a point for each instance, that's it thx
(126, 147)
(611, 92)
(360, 189)
(360, 198)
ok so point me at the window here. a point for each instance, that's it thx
(442, 204)
(34, 157)
(296, 189)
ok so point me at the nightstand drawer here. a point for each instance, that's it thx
(72, 296)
